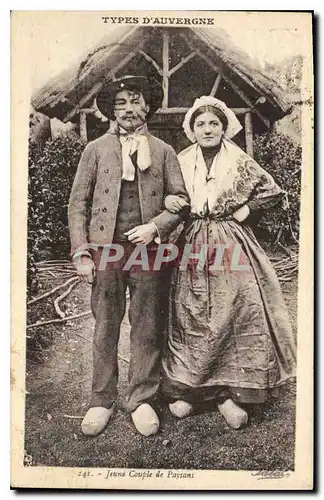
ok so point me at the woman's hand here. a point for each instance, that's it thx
(242, 213)
(174, 203)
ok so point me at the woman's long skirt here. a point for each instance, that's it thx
(228, 324)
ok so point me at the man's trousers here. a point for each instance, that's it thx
(147, 316)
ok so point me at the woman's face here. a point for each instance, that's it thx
(208, 130)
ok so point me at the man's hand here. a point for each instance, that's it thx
(85, 268)
(142, 235)
(242, 213)
(174, 203)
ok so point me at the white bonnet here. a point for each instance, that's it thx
(233, 127)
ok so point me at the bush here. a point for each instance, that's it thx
(281, 157)
(51, 174)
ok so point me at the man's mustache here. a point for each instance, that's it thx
(128, 116)
(141, 114)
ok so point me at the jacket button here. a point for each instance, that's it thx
(101, 228)
(104, 209)
(153, 193)
(107, 190)
(154, 174)
(106, 170)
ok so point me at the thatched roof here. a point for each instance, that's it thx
(64, 95)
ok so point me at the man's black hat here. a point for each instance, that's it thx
(148, 87)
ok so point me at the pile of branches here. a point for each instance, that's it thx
(57, 269)
(286, 267)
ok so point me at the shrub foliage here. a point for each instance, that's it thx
(51, 174)
(281, 157)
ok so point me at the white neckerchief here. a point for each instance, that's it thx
(137, 141)
(203, 184)
(203, 187)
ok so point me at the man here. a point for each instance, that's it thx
(124, 176)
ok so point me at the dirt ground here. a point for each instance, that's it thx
(58, 391)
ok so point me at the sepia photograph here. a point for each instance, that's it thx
(162, 180)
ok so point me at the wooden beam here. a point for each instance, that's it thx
(247, 100)
(83, 127)
(170, 111)
(178, 111)
(201, 54)
(236, 89)
(182, 63)
(166, 111)
(165, 69)
(95, 112)
(214, 66)
(82, 101)
(151, 60)
(88, 111)
(240, 111)
(216, 84)
(248, 133)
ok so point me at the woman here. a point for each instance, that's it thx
(229, 336)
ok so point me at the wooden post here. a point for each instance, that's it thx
(165, 69)
(248, 133)
(83, 126)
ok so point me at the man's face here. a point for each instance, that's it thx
(130, 110)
